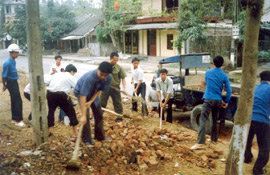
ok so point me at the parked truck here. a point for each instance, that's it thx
(189, 88)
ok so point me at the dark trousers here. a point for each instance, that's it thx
(142, 91)
(209, 106)
(16, 100)
(27, 96)
(60, 99)
(262, 132)
(99, 130)
(169, 110)
(116, 98)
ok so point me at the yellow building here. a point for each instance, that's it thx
(153, 36)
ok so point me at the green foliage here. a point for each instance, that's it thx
(56, 21)
(241, 24)
(264, 54)
(191, 20)
(115, 19)
(17, 28)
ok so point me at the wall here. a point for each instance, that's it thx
(106, 49)
(156, 5)
(143, 42)
(94, 49)
(162, 50)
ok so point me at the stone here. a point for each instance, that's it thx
(167, 157)
(98, 145)
(160, 153)
(137, 118)
(104, 171)
(212, 164)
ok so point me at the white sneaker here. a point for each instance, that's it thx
(20, 124)
(66, 121)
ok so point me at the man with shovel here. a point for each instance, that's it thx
(164, 88)
(87, 90)
(118, 75)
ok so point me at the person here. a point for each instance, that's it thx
(164, 88)
(59, 87)
(57, 67)
(260, 125)
(87, 90)
(9, 80)
(27, 94)
(118, 75)
(215, 79)
(139, 84)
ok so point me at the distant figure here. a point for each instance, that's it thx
(215, 79)
(57, 67)
(260, 125)
(118, 75)
(139, 84)
(9, 80)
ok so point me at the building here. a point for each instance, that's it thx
(154, 35)
(83, 39)
(10, 13)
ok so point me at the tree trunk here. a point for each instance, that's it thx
(3, 17)
(234, 164)
(38, 100)
(116, 42)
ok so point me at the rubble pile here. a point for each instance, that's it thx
(132, 148)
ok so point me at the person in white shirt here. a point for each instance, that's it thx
(27, 93)
(139, 84)
(164, 88)
(57, 67)
(57, 95)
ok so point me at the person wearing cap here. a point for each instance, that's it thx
(139, 84)
(164, 88)
(57, 95)
(260, 125)
(87, 91)
(9, 80)
(118, 75)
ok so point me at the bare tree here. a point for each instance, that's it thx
(234, 164)
(38, 100)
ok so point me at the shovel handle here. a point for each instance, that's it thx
(76, 150)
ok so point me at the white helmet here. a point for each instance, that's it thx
(13, 48)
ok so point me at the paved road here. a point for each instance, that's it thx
(22, 65)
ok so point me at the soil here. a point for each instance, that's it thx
(137, 146)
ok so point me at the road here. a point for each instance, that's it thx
(22, 65)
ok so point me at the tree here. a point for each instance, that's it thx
(115, 16)
(235, 158)
(56, 22)
(17, 28)
(38, 98)
(191, 22)
(2, 19)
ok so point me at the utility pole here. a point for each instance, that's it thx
(38, 100)
(2, 19)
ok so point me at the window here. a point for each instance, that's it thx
(8, 9)
(169, 42)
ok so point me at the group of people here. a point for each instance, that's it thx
(95, 87)
(104, 82)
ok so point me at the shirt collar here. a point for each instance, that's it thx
(164, 81)
(265, 82)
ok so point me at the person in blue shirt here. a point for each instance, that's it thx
(87, 90)
(215, 79)
(260, 124)
(9, 80)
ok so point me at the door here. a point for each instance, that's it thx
(151, 41)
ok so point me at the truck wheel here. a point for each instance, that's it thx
(195, 119)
